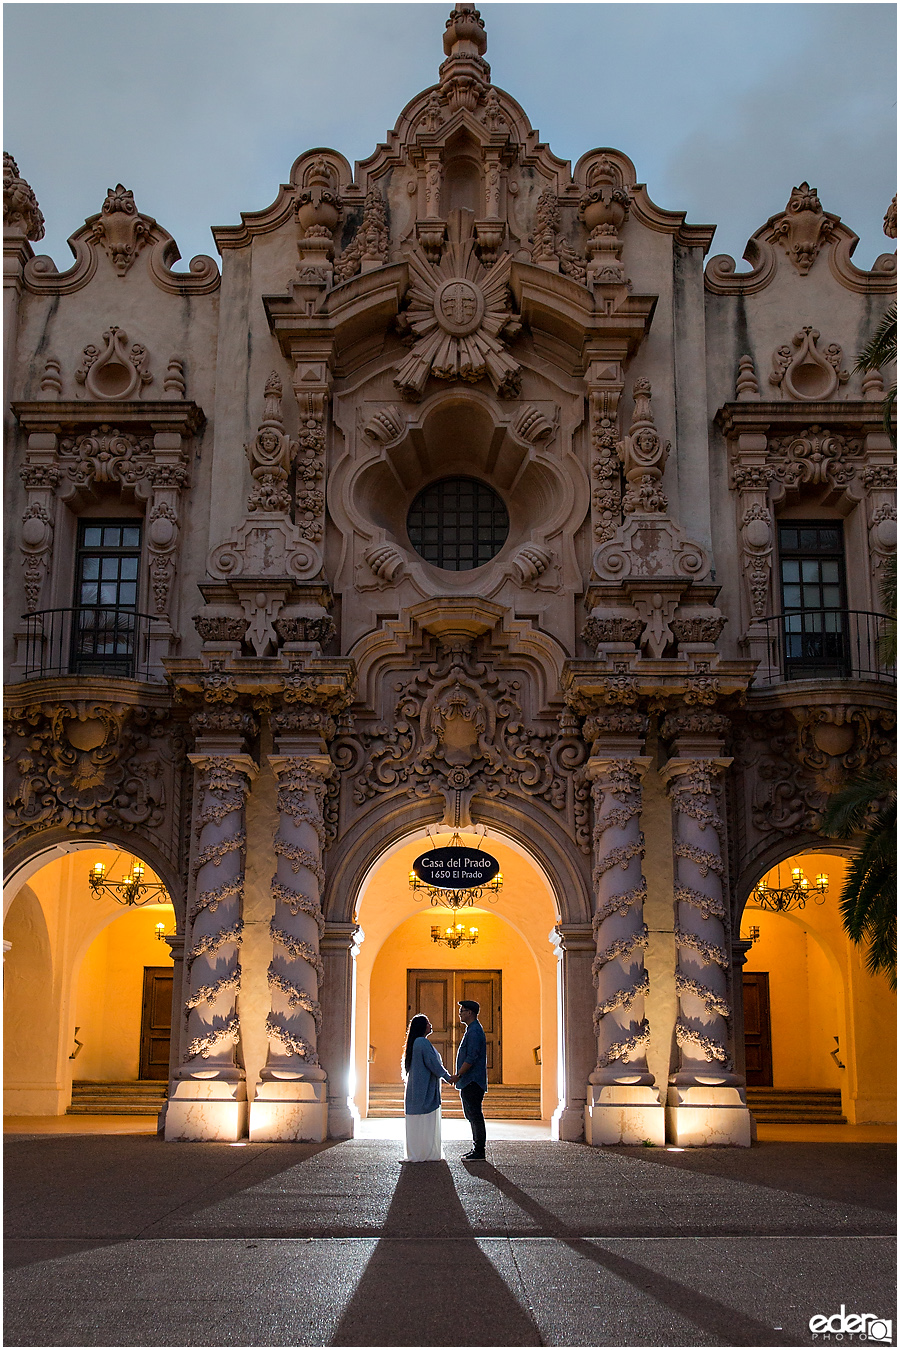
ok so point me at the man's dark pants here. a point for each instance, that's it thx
(471, 1097)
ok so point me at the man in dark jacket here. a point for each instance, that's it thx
(470, 1078)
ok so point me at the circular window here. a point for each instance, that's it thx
(458, 524)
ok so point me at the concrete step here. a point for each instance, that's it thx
(138, 1098)
(504, 1101)
(796, 1106)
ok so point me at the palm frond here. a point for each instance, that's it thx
(882, 345)
(847, 810)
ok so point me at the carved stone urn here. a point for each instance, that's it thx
(606, 201)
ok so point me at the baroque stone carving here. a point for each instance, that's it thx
(21, 213)
(121, 230)
(803, 228)
(370, 246)
(118, 372)
(695, 789)
(808, 373)
(457, 314)
(644, 456)
(620, 978)
(271, 455)
(87, 764)
(615, 629)
(319, 212)
(604, 390)
(604, 209)
(216, 925)
(816, 456)
(530, 561)
(297, 923)
(457, 728)
(549, 248)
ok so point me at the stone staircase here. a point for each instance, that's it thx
(137, 1098)
(795, 1106)
(503, 1102)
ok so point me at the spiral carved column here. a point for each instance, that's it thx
(209, 1095)
(706, 1103)
(290, 1101)
(623, 1102)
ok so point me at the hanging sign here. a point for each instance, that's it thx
(456, 868)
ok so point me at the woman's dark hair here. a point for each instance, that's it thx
(417, 1028)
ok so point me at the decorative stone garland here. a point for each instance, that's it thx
(619, 974)
(213, 941)
(203, 1046)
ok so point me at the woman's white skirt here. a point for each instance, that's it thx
(423, 1137)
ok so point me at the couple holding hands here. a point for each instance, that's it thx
(422, 1073)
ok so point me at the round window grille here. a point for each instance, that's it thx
(457, 524)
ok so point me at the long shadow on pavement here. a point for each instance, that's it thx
(726, 1324)
(428, 1282)
(855, 1174)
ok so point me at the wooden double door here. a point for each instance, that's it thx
(436, 993)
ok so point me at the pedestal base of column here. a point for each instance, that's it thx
(293, 1110)
(616, 1114)
(206, 1108)
(342, 1118)
(567, 1124)
(698, 1117)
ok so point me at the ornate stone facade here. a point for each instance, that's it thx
(604, 680)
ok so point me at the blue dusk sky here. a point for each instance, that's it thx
(201, 108)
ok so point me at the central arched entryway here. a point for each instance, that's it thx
(513, 968)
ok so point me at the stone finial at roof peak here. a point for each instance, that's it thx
(464, 32)
(464, 74)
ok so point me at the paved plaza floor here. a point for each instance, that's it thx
(121, 1239)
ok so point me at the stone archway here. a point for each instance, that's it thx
(516, 932)
(828, 1017)
(53, 922)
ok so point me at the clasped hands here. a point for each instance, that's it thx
(452, 1079)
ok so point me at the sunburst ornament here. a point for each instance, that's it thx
(458, 311)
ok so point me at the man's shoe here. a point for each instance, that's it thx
(473, 1157)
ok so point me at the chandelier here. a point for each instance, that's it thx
(456, 875)
(783, 899)
(131, 890)
(455, 936)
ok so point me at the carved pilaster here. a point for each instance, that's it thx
(605, 383)
(622, 1103)
(706, 1102)
(290, 1101)
(208, 1099)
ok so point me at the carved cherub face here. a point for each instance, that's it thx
(647, 442)
(268, 442)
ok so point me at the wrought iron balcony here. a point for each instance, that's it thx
(91, 640)
(826, 644)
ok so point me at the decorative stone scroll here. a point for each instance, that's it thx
(215, 916)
